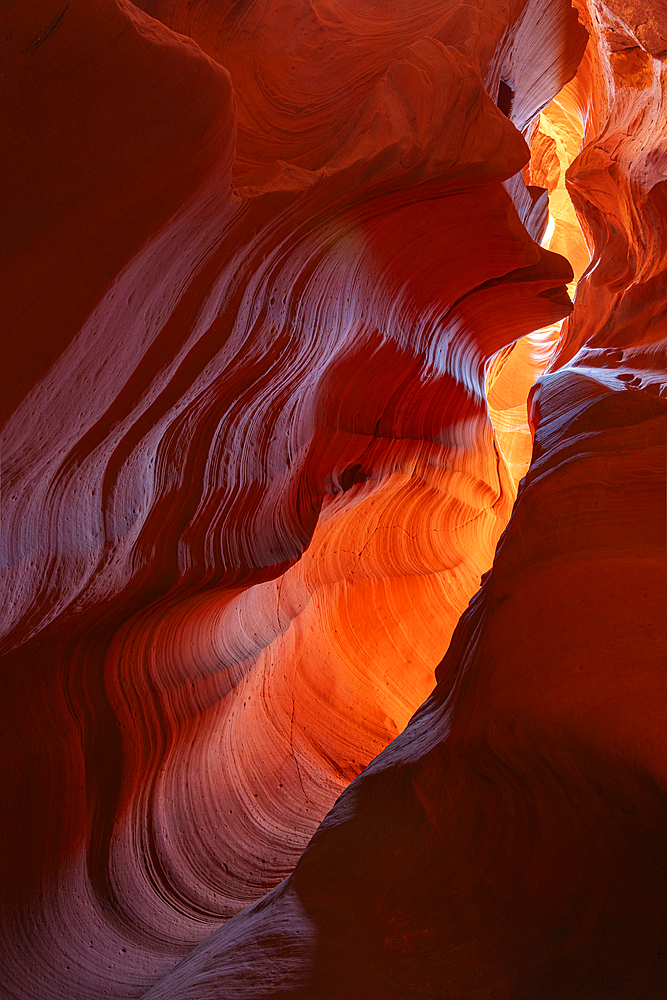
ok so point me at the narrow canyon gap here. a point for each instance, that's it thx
(277, 279)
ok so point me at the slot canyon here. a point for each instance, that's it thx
(334, 499)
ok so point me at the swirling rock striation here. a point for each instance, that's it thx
(257, 259)
(510, 842)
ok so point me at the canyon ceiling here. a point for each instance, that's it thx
(334, 538)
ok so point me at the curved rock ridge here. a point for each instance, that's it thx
(253, 279)
(617, 184)
(510, 841)
(304, 103)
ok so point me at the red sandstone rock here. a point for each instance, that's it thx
(509, 842)
(221, 379)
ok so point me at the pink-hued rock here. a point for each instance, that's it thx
(510, 841)
(264, 265)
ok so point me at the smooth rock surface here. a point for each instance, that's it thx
(263, 266)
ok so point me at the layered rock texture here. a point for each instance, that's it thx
(274, 298)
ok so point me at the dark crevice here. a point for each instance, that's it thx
(505, 98)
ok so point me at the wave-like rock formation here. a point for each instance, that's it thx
(262, 263)
(510, 842)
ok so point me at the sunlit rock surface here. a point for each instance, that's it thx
(510, 842)
(262, 264)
